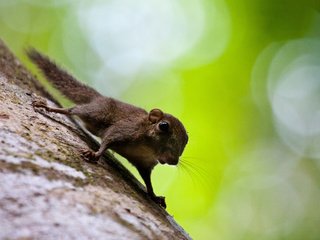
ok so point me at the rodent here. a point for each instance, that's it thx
(143, 138)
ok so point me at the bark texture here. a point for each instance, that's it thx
(47, 190)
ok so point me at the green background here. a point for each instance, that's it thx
(242, 75)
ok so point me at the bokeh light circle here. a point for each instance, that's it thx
(293, 92)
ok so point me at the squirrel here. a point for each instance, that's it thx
(144, 139)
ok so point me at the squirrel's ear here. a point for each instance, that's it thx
(155, 115)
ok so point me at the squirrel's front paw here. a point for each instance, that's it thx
(89, 155)
(160, 200)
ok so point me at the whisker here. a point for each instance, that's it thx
(185, 169)
(196, 173)
(201, 170)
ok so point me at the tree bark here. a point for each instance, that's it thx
(47, 190)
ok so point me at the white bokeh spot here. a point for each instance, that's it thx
(293, 92)
(129, 36)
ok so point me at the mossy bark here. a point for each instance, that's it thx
(47, 190)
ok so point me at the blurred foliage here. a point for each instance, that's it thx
(242, 75)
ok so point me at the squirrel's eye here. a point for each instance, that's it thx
(164, 126)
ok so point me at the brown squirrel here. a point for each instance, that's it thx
(143, 138)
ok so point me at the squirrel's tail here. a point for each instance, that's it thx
(64, 82)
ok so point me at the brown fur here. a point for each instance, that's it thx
(143, 138)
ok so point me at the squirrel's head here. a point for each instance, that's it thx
(169, 137)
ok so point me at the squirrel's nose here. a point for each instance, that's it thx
(169, 160)
(173, 161)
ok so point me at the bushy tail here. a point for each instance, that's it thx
(61, 80)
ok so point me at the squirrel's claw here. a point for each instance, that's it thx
(89, 155)
(160, 201)
(39, 103)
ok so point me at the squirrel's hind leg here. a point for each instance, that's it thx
(40, 103)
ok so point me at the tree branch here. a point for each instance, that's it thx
(48, 191)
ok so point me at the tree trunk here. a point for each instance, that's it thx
(47, 190)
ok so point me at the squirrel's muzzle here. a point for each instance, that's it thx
(168, 159)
